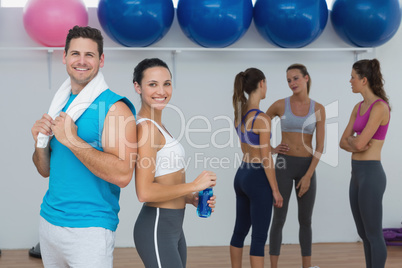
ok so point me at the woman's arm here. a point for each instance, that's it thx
(347, 141)
(379, 114)
(304, 183)
(348, 132)
(148, 190)
(277, 109)
(263, 128)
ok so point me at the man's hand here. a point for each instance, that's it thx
(43, 126)
(65, 130)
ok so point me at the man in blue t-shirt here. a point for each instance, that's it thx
(87, 162)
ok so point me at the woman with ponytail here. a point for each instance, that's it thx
(296, 162)
(369, 121)
(255, 183)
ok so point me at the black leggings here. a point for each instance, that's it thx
(366, 190)
(289, 170)
(253, 207)
(159, 237)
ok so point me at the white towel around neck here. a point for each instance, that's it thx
(87, 95)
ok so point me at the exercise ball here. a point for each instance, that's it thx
(214, 23)
(137, 23)
(48, 21)
(290, 23)
(366, 23)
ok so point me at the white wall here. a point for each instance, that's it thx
(203, 88)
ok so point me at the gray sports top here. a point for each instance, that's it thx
(302, 124)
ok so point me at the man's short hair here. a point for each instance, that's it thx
(85, 32)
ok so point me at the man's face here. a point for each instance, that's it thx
(82, 62)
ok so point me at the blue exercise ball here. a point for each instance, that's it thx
(366, 23)
(290, 23)
(214, 23)
(138, 23)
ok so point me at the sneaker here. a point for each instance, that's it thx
(35, 252)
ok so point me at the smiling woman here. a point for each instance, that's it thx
(162, 189)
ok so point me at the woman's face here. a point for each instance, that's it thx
(296, 81)
(264, 89)
(155, 88)
(355, 82)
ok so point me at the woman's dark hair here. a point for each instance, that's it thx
(304, 72)
(85, 32)
(245, 82)
(372, 71)
(146, 64)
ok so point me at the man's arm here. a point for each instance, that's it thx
(41, 156)
(119, 141)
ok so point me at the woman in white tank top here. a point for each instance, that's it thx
(160, 175)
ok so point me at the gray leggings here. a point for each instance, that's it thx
(366, 190)
(159, 237)
(289, 170)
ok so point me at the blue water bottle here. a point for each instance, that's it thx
(203, 208)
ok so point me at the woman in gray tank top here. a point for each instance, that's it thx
(297, 160)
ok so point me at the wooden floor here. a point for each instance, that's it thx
(326, 255)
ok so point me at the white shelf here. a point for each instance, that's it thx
(176, 50)
(200, 49)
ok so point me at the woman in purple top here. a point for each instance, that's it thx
(255, 183)
(369, 121)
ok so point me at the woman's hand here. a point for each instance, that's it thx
(303, 186)
(278, 199)
(281, 149)
(212, 202)
(352, 142)
(204, 180)
(193, 199)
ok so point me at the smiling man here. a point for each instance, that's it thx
(87, 161)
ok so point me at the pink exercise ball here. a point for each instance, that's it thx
(48, 21)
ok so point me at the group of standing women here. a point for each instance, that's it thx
(259, 184)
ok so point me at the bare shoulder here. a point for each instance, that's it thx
(263, 116)
(279, 103)
(277, 108)
(146, 126)
(117, 111)
(120, 108)
(147, 132)
(318, 106)
(355, 108)
(381, 106)
(262, 121)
